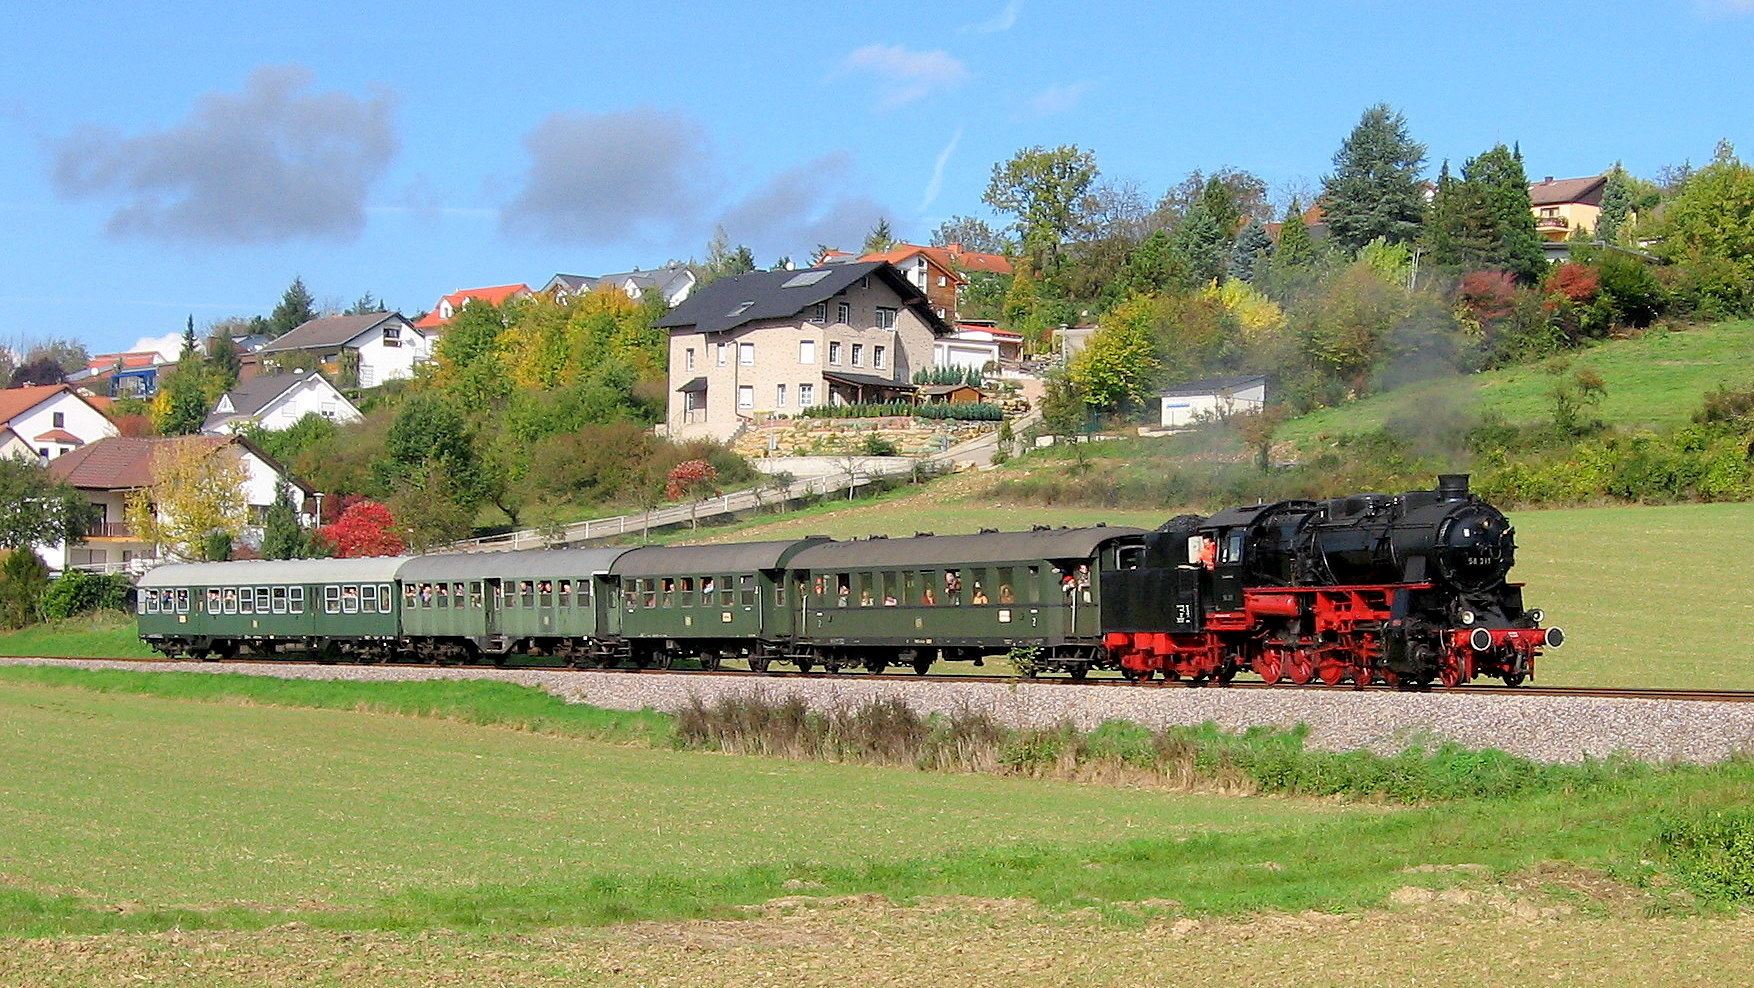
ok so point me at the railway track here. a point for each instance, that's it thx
(1648, 693)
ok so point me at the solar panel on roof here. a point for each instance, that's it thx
(805, 279)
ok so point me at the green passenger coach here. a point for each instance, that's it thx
(324, 608)
(959, 597)
(540, 602)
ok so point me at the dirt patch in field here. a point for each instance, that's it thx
(1450, 938)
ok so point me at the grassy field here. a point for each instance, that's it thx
(99, 636)
(174, 842)
(1657, 379)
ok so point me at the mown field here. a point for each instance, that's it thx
(1657, 379)
(176, 842)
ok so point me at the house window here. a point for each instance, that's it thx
(746, 354)
(60, 420)
(745, 397)
(806, 395)
(834, 352)
(843, 312)
(724, 354)
(819, 312)
(858, 354)
(688, 358)
(885, 318)
(779, 396)
(806, 351)
(940, 281)
(392, 335)
(876, 356)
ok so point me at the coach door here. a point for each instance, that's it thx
(490, 604)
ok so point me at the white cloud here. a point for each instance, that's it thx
(170, 345)
(818, 202)
(904, 76)
(1058, 98)
(1004, 20)
(935, 184)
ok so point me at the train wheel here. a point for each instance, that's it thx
(1136, 675)
(804, 664)
(922, 666)
(758, 663)
(710, 661)
(1331, 673)
(1079, 672)
(1300, 669)
(1362, 675)
(876, 666)
(1450, 673)
(1269, 667)
(1514, 678)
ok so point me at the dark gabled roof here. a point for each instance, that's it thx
(866, 381)
(1215, 385)
(251, 396)
(963, 550)
(330, 331)
(524, 564)
(707, 560)
(1552, 192)
(731, 302)
(695, 385)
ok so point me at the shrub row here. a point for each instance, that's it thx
(977, 411)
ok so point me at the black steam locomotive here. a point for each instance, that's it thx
(1404, 589)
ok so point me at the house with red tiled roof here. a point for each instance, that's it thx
(1564, 205)
(941, 272)
(109, 470)
(131, 375)
(46, 421)
(448, 307)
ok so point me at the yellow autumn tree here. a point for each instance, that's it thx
(197, 491)
(1258, 316)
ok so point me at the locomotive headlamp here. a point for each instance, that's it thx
(1481, 639)
(1467, 616)
(1537, 615)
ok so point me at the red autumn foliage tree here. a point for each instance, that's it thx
(1488, 295)
(690, 479)
(1577, 282)
(365, 528)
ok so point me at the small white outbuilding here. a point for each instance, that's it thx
(1215, 397)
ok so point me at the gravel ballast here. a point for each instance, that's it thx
(1543, 728)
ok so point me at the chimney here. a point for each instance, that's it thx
(1547, 181)
(1452, 486)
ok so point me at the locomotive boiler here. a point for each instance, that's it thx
(1404, 589)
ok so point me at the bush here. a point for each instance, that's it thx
(78, 592)
(1712, 853)
(978, 411)
(22, 580)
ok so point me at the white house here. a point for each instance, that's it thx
(385, 345)
(965, 350)
(108, 470)
(278, 401)
(674, 281)
(1198, 401)
(48, 421)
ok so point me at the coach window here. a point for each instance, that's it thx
(350, 600)
(331, 599)
(246, 600)
(1006, 590)
(584, 591)
(183, 600)
(297, 600)
(648, 590)
(685, 589)
(668, 596)
(910, 588)
(152, 602)
(279, 600)
(261, 600)
(929, 588)
(475, 594)
(746, 588)
(563, 592)
(213, 600)
(888, 589)
(843, 589)
(629, 594)
(953, 587)
(526, 593)
(1032, 586)
(368, 600)
(865, 598)
(727, 596)
(407, 595)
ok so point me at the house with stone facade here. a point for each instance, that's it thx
(776, 342)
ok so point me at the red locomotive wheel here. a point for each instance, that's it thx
(1301, 668)
(1363, 675)
(1332, 673)
(1450, 673)
(1269, 667)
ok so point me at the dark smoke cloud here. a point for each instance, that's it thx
(803, 207)
(609, 176)
(272, 164)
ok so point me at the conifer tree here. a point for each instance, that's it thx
(1296, 248)
(1375, 190)
(295, 309)
(1484, 221)
(1616, 204)
(1251, 246)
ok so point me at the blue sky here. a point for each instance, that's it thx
(190, 158)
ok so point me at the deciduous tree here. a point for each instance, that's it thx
(197, 491)
(1044, 190)
(36, 509)
(364, 528)
(1118, 368)
(973, 234)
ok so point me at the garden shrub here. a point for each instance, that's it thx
(78, 592)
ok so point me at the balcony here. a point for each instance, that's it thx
(1552, 223)
(110, 530)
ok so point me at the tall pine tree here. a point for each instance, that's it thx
(1484, 220)
(1616, 204)
(295, 309)
(1375, 190)
(1296, 248)
(1252, 245)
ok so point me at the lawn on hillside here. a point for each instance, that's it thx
(1656, 380)
(107, 635)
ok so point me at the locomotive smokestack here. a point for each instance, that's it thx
(1452, 486)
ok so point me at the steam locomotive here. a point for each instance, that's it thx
(1407, 589)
